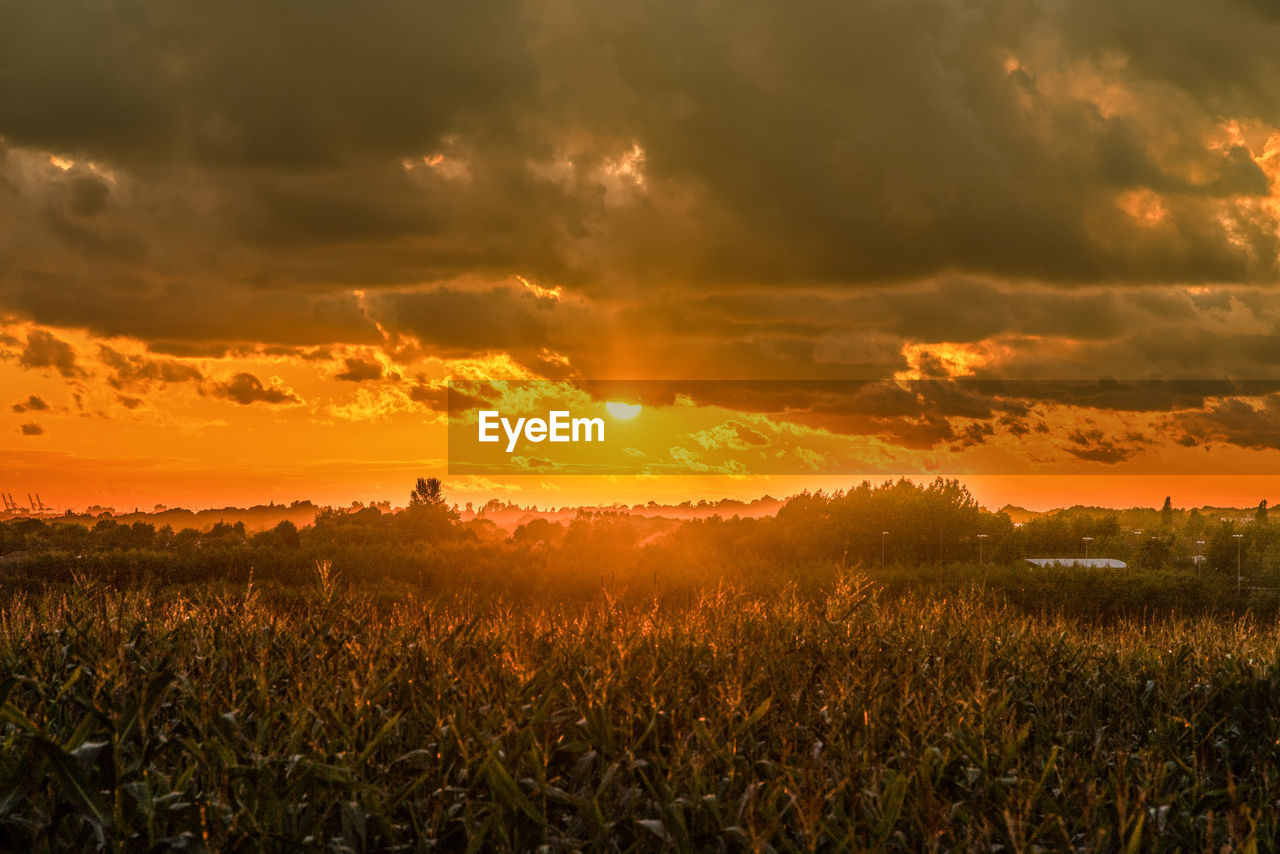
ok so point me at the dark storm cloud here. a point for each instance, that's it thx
(245, 388)
(913, 414)
(810, 184)
(458, 321)
(976, 433)
(194, 309)
(867, 140)
(132, 371)
(252, 84)
(46, 350)
(1234, 422)
(1151, 396)
(930, 412)
(857, 403)
(88, 195)
(1091, 332)
(1221, 60)
(1093, 445)
(361, 370)
(961, 310)
(32, 429)
(188, 350)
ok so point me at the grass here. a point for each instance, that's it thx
(335, 720)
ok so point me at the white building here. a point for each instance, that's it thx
(1079, 562)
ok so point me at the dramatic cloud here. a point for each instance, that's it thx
(199, 195)
(245, 388)
(731, 434)
(361, 370)
(46, 350)
(133, 370)
(281, 163)
(433, 397)
(34, 403)
(1096, 446)
(1235, 422)
(32, 429)
(456, 321)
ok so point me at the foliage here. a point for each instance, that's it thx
(327, 719)
(427, 492)
(845, 675)
(872, 527)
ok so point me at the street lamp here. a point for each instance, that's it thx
(981, 537)
(1238, 537)
(1087, 540)
(883, 534)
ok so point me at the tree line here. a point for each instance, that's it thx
(902, 524)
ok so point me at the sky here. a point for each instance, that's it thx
(244, 246)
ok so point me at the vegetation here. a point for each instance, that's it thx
(878, 529)
(325, 719)
(794, 683)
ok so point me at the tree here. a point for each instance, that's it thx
(1153, 554)
(1166, 512)
(428, 492)
(1261, 515)
(287, 534)
(428, 517)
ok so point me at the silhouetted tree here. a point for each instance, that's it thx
(1166, 512)
(1261, 515)
(427, 493)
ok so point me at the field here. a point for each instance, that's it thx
(335, 718)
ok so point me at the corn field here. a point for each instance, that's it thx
(219, 719)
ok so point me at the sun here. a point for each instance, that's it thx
(623, 411)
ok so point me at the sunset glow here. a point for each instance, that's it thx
(623, 411)
(231, 299)
(588, 425)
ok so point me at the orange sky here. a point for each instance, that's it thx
(112, 434)
(241, 253)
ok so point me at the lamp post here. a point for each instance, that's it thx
(1238, 538)
(981, 537)
(883, 534)
(1087, 540)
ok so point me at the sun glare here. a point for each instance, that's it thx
(623, 411)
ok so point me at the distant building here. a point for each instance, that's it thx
(1079, 562)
